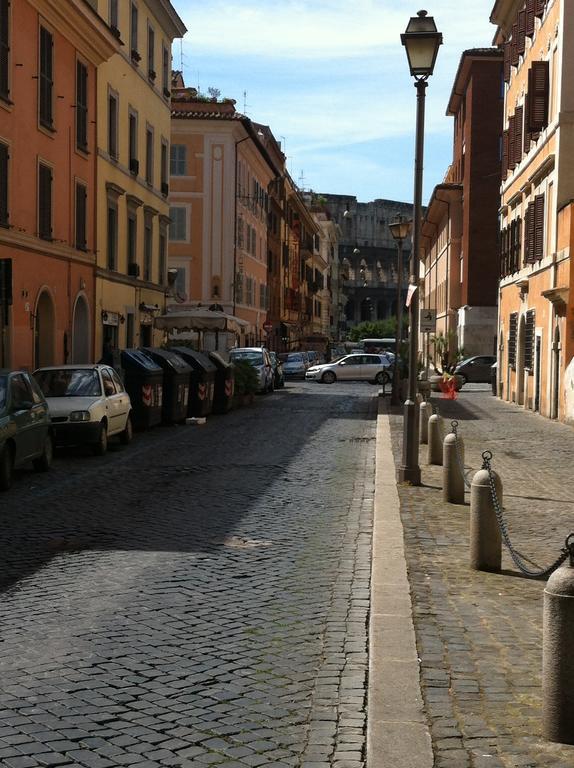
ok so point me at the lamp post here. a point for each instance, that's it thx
(400, 229)
(421, 40)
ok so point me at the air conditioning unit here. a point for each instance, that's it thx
(134, 269)
(134, 166)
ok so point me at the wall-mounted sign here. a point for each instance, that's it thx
(427, 321)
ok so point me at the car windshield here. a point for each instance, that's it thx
(65, 382)
(253, 357)
(3, 389)
(293, 358)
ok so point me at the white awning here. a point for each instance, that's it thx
(200, 319)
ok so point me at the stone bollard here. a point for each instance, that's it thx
(485, 538)
(434, 452)
(558, 655)
(452, 477)
(425, 413)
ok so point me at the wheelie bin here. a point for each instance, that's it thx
(201, 382)
(224, 384)
(143, 380)
(176, 374)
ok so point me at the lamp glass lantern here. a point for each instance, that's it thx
(422, 41)
(400, 227)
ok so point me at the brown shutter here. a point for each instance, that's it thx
(45, 202)
(529, 249)
(527, 133)
(521, 31)
(516, 260)
(538, 92)
(514, 45)
(518, 134)
(511, 137)
(539, 6)
(81, 197)
(529, 30)
(4, 156)
(506, 68)
(504, 153)
(538, 227)
(4, 49)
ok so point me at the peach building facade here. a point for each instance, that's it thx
(47, 179)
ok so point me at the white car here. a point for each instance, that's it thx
(355, 367)
(87, 404)
(259, 358)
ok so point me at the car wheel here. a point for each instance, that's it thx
(382, 378)
(328, 377)
(44, 462)
(128, 433)
(463, 379)
(101, 445)
(6, 468)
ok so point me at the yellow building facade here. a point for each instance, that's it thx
(133, 130)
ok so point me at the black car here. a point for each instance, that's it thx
(25, 427)
(475, 370)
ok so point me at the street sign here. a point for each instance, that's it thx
(427, 321)
(267, 327)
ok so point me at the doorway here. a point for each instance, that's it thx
(44, 331)
(520, 361)
(81, 332)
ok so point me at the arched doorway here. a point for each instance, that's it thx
(44, 331)
(520, 361)
(555, 404)
(81, 332)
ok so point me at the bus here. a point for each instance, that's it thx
(378, 345)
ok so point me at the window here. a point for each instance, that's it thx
(249, 291)
(534, 230)
(178, 160)
(178, 225)
(263, 296)
(164, 182)
(148, 247)
(132, 242)
(112, 235)
(81, 212)
(149, 155)
(134, 33)
(81, 106)
(181, 282)
(113, 125)
(4, 49)
(46, 76)
(4, 157)
(44, 202)
(537, 97)
(113, 14)
(529, 332)
(133, 142)
(162, 254)
(165, 67)
(239, 288)
(150, 53)
(512, 332)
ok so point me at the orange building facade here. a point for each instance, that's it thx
(47, 179)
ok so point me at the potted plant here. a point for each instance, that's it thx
(445, 360)
(246, 382)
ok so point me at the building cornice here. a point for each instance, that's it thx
(15, 238)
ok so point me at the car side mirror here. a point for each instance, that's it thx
(343, 362)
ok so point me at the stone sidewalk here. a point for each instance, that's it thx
(479, 635)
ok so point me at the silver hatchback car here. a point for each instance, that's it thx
(373, 368)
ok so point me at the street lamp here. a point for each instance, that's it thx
(421, 40)
(400, 228)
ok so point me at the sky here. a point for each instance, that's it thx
(331, 79)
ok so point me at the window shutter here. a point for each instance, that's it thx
(45, 202)
(539, 6)
(512, 332)
(530, 235)
(81, 106)
(504, 153)
(3, 185)
(538, 227)
(518, 135)
(516, 258)
(514, 45)
(4, 50)
(511, 137)
(521, 31)
(529, 25)
(506, 69)
(527, 133)
(538, 88)
(81, 197)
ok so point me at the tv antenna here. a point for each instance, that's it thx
(246, 106)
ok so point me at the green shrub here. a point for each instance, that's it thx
(246, 378)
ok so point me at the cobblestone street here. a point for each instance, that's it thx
(479, 635)
(199, 598)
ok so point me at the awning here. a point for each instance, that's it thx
(200, 319)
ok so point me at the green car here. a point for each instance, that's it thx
(25, 427)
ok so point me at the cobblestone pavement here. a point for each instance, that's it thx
(199, 598)
(479, 635)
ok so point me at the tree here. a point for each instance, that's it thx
(379, 329)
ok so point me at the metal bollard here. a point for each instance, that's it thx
(425, 413)
(452, 478)
(485, 538)
(434, 452)
(558, 655)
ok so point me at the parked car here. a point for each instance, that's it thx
(278, 375)
(25, 428)
(374, 368)
(295, 364)
(476, 369)
(260, 360)
(88, 404)
(313, 356)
